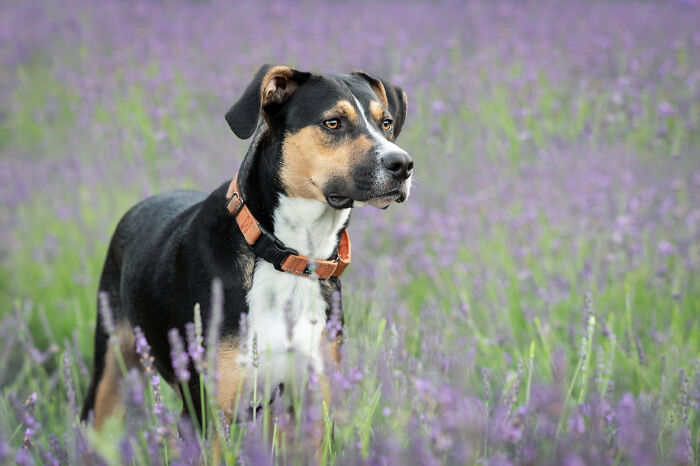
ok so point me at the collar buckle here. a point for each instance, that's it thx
(234, 203)
(270, 248)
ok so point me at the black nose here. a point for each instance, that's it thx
(400, 164)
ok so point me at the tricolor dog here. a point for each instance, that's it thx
(276, 235)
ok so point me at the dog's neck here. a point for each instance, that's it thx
(309, 226)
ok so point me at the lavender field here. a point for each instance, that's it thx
(536, 301)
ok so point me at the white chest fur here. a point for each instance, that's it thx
(278, 298)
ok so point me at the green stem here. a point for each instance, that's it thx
(120, 358)
(587, 361)
(568, 396)
(529, 375)
(255, 392)
(17, 429)
(203, 406)
(189, 404)
(274, 438)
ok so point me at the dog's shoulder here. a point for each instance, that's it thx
(171, 211)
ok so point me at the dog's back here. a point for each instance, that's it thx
(143, 241)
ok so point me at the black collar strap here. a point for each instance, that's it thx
(267, 246)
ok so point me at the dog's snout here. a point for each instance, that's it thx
(400, 164)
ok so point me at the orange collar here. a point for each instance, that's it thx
(267, 246)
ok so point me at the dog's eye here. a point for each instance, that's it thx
(386, 124)
(332, 124)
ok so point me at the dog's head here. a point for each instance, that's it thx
(335, 133)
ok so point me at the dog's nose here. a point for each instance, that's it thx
(400, 164)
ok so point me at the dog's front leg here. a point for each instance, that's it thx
(229, 386)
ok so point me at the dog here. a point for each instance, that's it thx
(275, 235)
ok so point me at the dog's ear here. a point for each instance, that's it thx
(393, 97)
(267, 92)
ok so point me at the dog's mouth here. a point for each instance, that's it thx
(382, 201)
(339, 202)
(385, 200)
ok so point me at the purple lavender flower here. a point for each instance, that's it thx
(153, 442)
(164, 419)
(31, 425)
(254, 450)
(226, 426)
(635, 431)
(335, 322)
(194, 346)
(24, 458)
(213, 334)
(289, 322)
(188, 443)
(243, 332)
(133, 393)
(70, 386)
(4, 451)
(126, 450)
(199, 330)
(143, 349)
(158, 407)
(254, 350)
(107, 317)
(57, 449)
(178, 356)
(486, 383)
(683, 452)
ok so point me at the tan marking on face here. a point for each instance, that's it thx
(342, 108)
(230, 378)
(376, 110)
(107, 398)
(310, 159)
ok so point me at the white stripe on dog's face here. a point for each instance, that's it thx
(383, 145)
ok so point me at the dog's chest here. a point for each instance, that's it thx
(286, 312)
(286, 317)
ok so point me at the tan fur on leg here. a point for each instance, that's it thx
(230, 379)
(108, 400)
(229, 386)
